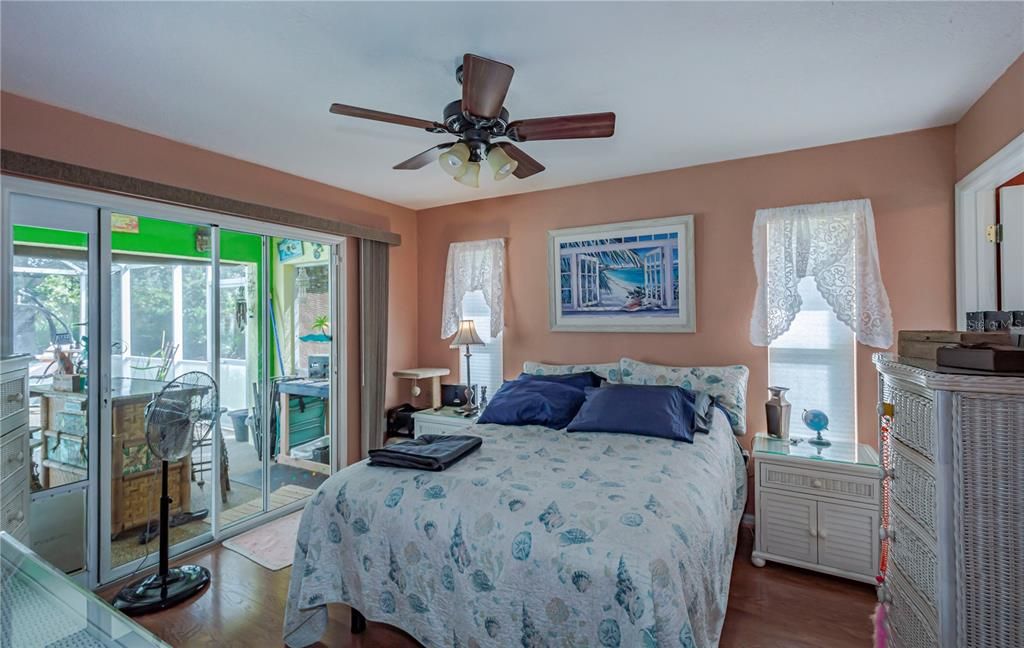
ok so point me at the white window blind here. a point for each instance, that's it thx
(815, 359)
(485, 364)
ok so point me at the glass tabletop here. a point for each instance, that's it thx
(43, 607)
(800, 446)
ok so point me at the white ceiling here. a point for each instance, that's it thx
(690, 83)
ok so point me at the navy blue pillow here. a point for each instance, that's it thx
(644, 410)
(533, 402)
(581, 380)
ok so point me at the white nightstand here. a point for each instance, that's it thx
(817, 508)
(443, 421)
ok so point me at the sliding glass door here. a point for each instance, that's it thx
(161, 310)
(113, 305)
(54, 256)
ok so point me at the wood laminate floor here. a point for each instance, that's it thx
(769, 607)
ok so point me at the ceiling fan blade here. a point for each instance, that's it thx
(421, 160)
(527, 165)
(484, 85)
(390, 118)
(563, 127)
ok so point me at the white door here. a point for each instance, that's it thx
(788, 527)
(1011, 215)
(847, 538)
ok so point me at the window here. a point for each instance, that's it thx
(815, 359)
(485, 363)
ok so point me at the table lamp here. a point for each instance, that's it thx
(466, 336)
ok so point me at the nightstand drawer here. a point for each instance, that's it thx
(818, 482)
(444, 421)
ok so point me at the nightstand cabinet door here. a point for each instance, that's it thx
(789, 526)
(847, 537)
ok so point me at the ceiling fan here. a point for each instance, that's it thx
(478, 118)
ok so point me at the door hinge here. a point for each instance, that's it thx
(994, 233)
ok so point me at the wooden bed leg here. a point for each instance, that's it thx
(358, 622)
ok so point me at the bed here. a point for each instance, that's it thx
(540, 538)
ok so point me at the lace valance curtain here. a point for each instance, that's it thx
(474, 265)
(835, 244)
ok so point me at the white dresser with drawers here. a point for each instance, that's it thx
(15, 458)
(952, 450)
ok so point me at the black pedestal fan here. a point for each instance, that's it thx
(186, 408)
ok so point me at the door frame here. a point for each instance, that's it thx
(98, 540)
(975, 203)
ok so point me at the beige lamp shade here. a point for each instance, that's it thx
(471, 176)
(454, 160)
(501, 164)
(466, 334)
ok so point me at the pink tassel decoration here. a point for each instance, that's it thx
(881, 628)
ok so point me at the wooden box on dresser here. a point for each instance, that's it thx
(952, 449)
(15, 459)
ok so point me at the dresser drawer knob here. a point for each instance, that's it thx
(886, 533)
(16, 397)
(16, 516)
(883, 594)
(17, 458)
(889, 474)
(817, 483)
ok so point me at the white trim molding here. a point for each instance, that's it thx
(975, 210)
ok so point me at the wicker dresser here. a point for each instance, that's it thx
(14, 452)
(952, 450)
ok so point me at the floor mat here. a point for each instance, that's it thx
(271, 545)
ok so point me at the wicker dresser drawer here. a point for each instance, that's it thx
(914, 555)
(14, 509)
(14, 456)
(913, 422)
(908, 626)
(913, 486)
(13, 400)
(819, 482)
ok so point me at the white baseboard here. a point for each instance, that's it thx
(748, 520)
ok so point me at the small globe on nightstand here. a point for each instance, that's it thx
(816, 421)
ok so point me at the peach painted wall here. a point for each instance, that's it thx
(994, 119)
(908, 177)
(39, 129)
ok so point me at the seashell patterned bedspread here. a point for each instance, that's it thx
(540, 538)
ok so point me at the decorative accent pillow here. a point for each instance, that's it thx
(644, 410)
(521, 402)
(728, 385)
(608, 370)
(580, 380)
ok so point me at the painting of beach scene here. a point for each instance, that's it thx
(629, 277)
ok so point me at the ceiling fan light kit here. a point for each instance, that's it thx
(480, 116)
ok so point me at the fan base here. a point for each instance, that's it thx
(152, 594)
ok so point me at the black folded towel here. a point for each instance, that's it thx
(426, 452)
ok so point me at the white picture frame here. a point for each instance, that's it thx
(616, 277)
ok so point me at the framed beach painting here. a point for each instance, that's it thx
(630, 277)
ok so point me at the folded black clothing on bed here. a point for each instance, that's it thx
(426, 452)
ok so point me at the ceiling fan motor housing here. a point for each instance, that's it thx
(458, 122)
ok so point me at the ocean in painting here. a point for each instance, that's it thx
(621, 275)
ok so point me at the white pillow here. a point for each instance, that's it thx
(727, 384)
(608, 370)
